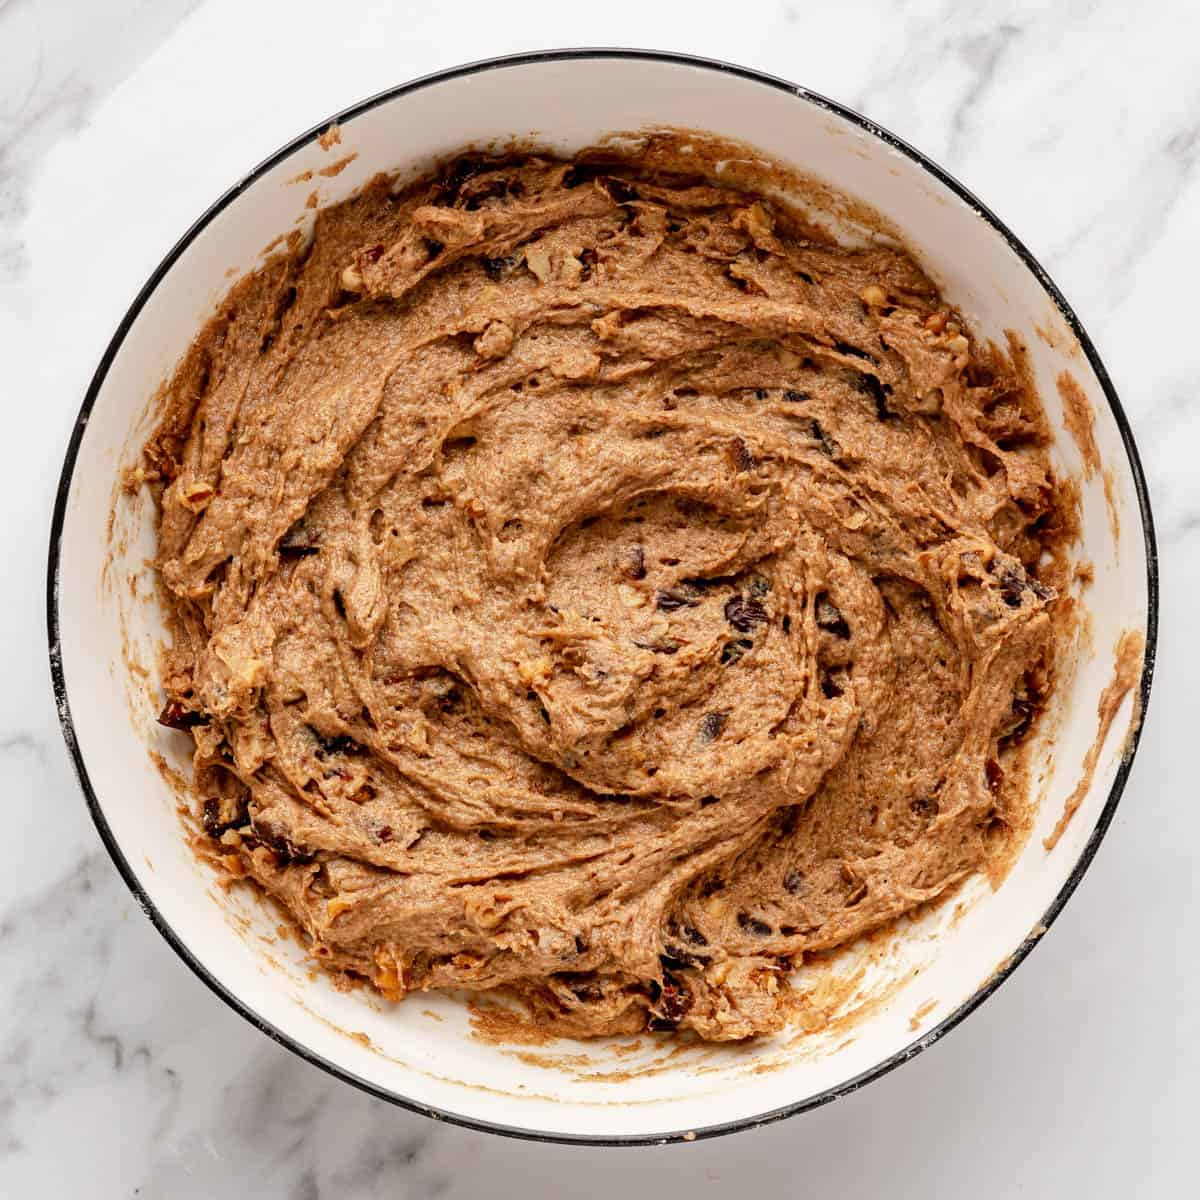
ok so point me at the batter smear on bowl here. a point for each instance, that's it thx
(595, 583)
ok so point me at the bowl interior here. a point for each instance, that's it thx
(909, 985)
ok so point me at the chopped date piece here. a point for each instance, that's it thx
(456, 174)
(295, 550)
(1019, 722)
(534, 698)
(743, 614)
(793, 882)
(759, 586)
(792, 396)
(869, 385)
(620, 191)
(384, 833)
(735, 650)
(829, 447)
(676, 958)
(740, 456)
(340, 744)
(754, 925)
(1014, 582)
(830, 688)
(674, 1000)
(175, 716)
(658, 647)
(486, 191)
(278, 842)
(700, 584)
(588, 259)
(994, 773)
(497, 268)
(829, 617)
(712, 726)
(635, 562)
(694, 936)
(852, 351)
(215, 823)
(671, 599)
(578, 173)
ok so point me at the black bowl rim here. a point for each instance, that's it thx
(676, 59)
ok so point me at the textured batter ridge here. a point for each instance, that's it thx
(595, 584)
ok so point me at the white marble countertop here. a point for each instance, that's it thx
(121, 1075)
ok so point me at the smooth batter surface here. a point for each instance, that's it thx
(600, 587)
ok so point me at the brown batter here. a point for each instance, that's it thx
(600, 586)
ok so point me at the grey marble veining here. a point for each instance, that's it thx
(120, 1074)
(60, 59)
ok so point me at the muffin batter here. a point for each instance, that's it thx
(591, 582)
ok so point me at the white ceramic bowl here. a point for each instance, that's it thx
(915, 985)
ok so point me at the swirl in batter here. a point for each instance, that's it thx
(593, 582)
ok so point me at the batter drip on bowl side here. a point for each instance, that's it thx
(600, 585)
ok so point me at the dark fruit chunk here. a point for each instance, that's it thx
(620, 191)
(456, 174)
(734, 651)
(830, 688)
(278, 842)
(869, 385)
(671, 599)
(740, 456)
(222, 815)
(341, 744)
(658, 647)
(675, 999)
(793, 882)
(744, 614)
(1014, 583)
(713, 725)
(497, 268)
(829, 447)
(852, 351)
(829, 617)
(676, 958)
(1018, 724)
(485, 191)
(994, 773)
(794, 397)
(635, 562)
(578, 173)
(754, 925)
(175, 716)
